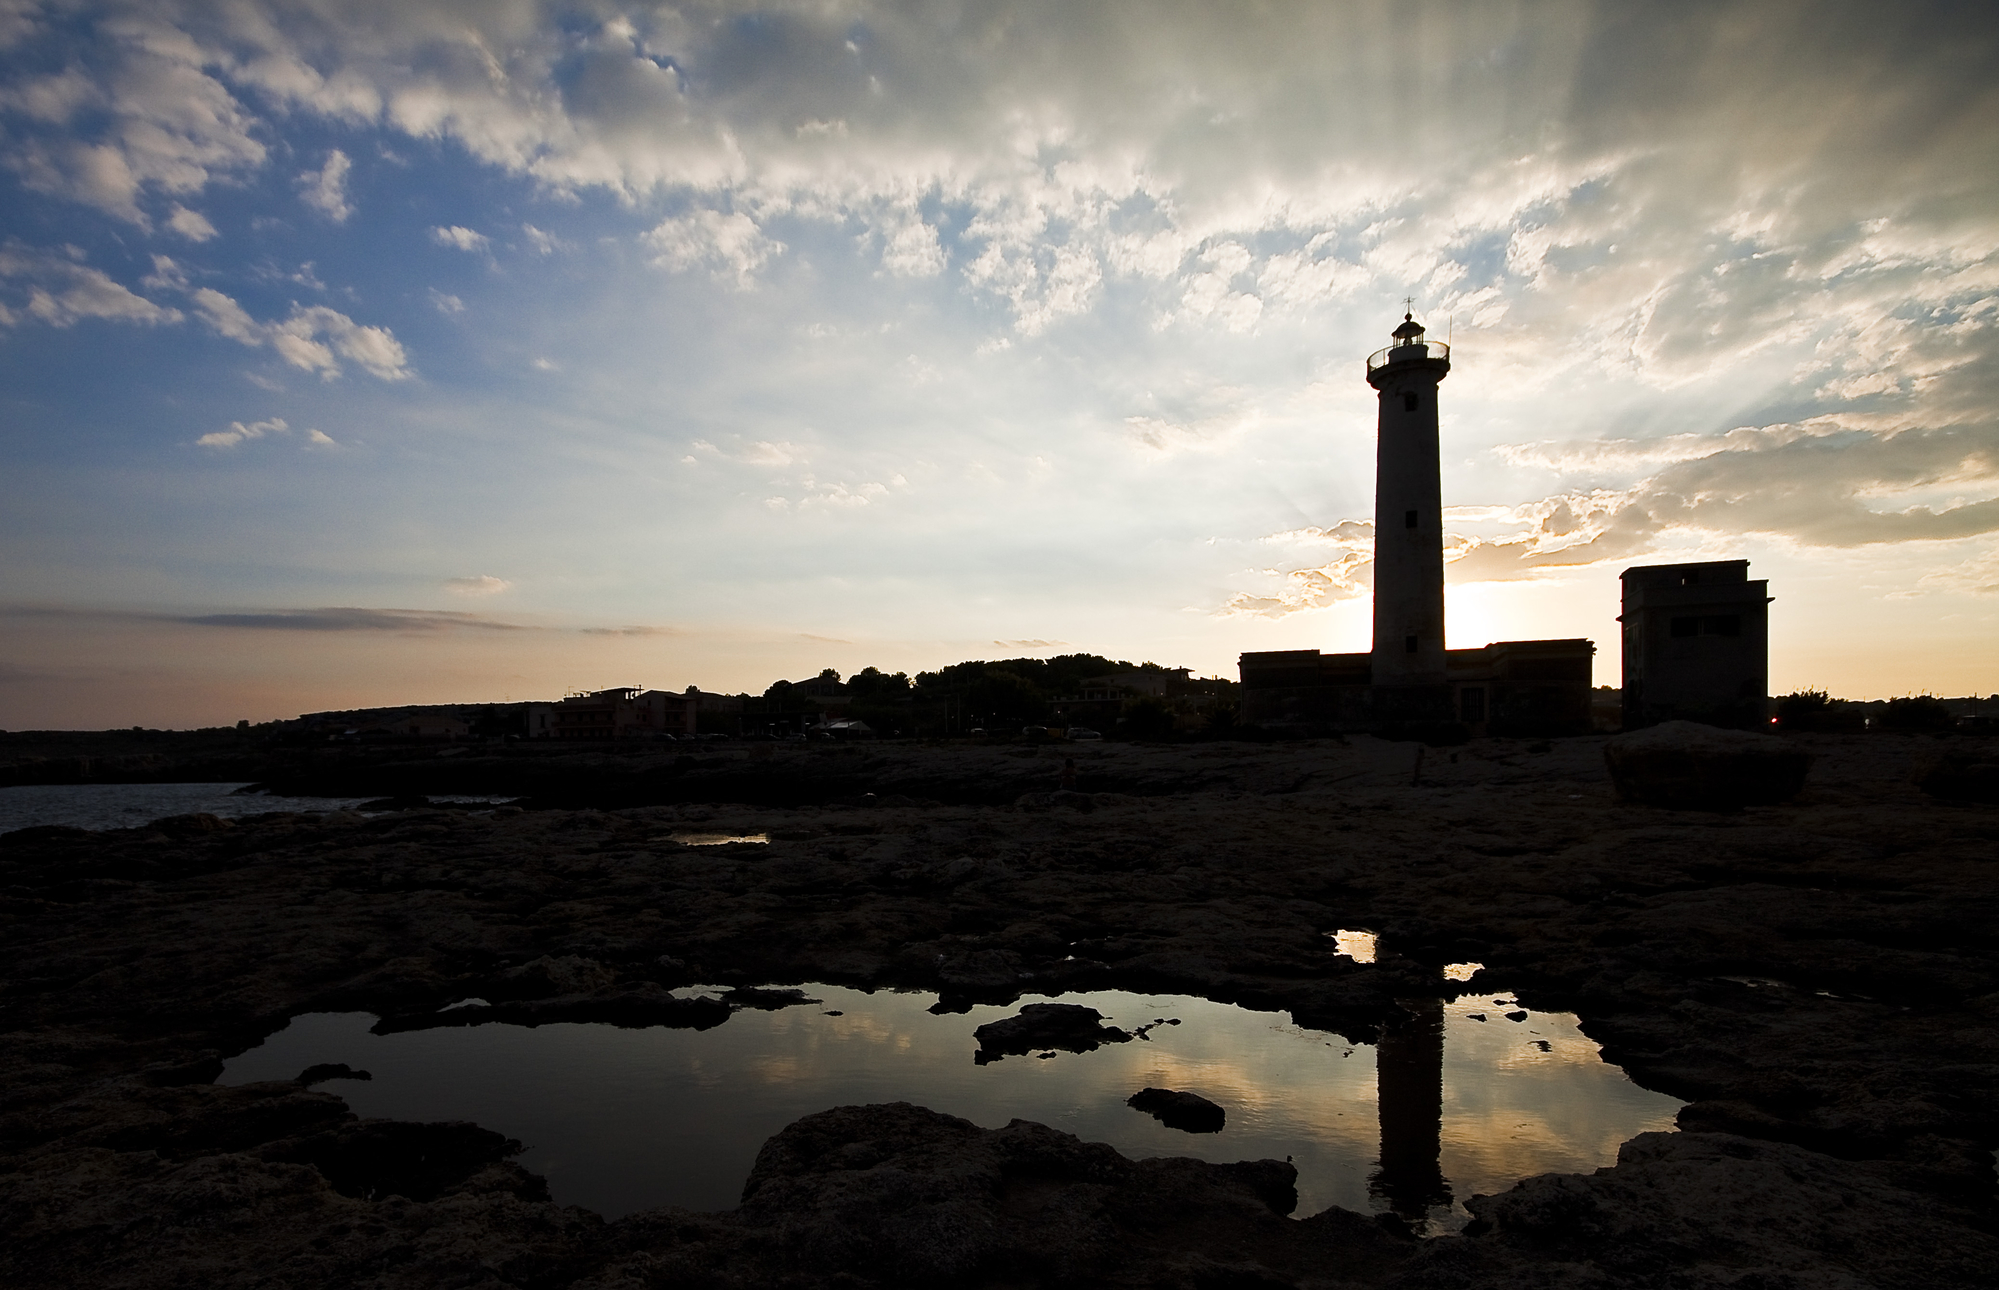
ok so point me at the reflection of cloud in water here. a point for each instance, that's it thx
(1511, 1110)
(1358, 946)
(619, 1120)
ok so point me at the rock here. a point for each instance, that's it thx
(765, 999)
(568, 974)
(1861, 1097)
(183, 826)
(899, 1195)
(45, 833)
(1688, 766)
(324, 1071)
(1187, 1112)
(630, 1007)
(1962, 777)
(373, 1159)
(1070, 1027)
(404, 802)
(1653, 1221)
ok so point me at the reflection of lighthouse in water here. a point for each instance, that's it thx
(1409, 1089)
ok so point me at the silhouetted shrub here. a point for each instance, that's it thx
(1917, 712)
(1804, 710)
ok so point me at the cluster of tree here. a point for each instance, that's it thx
(997, 694)
(1818, 710)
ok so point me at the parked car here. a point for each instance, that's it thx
(1083, 734)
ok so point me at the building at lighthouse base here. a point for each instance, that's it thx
(1505, 688)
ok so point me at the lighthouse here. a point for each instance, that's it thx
(1407, 659)
(1408, 683)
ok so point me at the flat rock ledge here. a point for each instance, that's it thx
(1187, 1112)
(1069, 1027)
(1687, 766)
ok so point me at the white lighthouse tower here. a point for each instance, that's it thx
(1407, 661)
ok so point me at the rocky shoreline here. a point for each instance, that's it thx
(1819, 979)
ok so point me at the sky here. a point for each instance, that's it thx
(429, 351)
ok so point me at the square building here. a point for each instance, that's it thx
(1696, 644)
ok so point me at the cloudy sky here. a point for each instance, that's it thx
(441, 350)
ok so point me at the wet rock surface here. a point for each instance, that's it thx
(1067, 1027)
(1820, 978)
(1177, 1109)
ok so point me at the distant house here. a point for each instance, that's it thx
(1100, 700)
(718, 714)
(827, 691)
(1157, 682)
(626, 712)
(434, 726)
(384, 725)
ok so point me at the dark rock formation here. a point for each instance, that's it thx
(1818, 977)
(901, 1196)
(1188, 1112)
(325, 1071)
(1069, 1027)
(1963, 776)
(1711, 1210)
(1694, 767)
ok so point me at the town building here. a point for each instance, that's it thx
(1696, 644)
(1409, 677)
(625, 712)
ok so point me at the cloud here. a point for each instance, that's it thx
(226, 317)
(730, 244)
(1652, 229)
(62, 291)
(1198, 420)
(1032, 644)
(325, 189)
(1241, 165)
(192, 225)
(484, 584)
(631, 631)
(143, 115)
(239, 433)
(764, 453)
(464, 239)
(447, 305)
(1812, 485)
(349, 620)
(313, 337)
(544, 243)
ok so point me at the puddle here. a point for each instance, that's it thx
(126, 806)
(1358, 946)
(692, 839)
(620, 1120)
